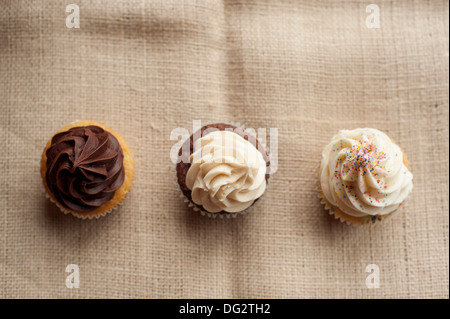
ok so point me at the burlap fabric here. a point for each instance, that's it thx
(308, 68)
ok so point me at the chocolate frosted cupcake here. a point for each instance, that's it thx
(222, 170)
(364, 176)
(87, 169)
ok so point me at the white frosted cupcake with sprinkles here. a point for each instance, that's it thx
(364, 176)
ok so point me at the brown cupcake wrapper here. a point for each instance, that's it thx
(195, 208)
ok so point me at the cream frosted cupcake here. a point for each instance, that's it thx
(222, 170)
(364, 176)
(87, 169)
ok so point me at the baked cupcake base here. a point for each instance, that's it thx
(183, 166)
(120, 193)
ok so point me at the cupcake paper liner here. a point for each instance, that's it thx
(81, 215)
(194, 208)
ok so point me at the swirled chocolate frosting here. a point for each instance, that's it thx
(84, 167)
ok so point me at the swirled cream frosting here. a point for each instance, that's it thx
(227, 172)
(363, 173)
(84, 167)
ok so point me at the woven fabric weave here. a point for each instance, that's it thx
(144, 68)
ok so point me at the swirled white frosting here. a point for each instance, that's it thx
(227, 172)
(362, 173)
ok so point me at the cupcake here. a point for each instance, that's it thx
(87, 169)
(364, 176)
(222, 170)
